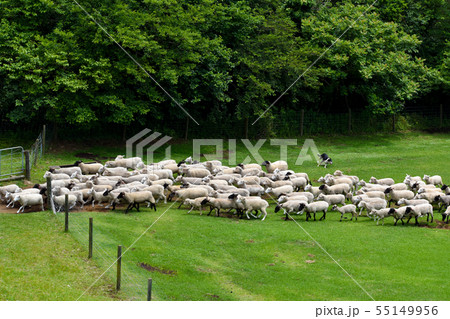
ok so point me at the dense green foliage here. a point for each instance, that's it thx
(219, 59)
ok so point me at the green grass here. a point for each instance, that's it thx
(228, 259)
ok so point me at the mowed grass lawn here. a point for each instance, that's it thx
(193, 257)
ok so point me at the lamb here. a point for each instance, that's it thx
(371, 204)
(335, 189)
(28, 200)
(396, 195)
(88, 168)
(57, 191)
(314, 190)
(134, 199)
(314, 208)
(191, 193)
(157, 192)
(56, 176)
(381, 214)
(280, 190)
(60, 201)
(434, 180)
(253, 203)
(332, 199)
(195, 203)
(382, 181)
(98, 196)
(10, 196)
(270, 167)
(398, 214)
(350, 209)
(66, 170)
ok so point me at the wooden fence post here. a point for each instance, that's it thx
(149, 290)
(49, 192)
(302, 119)
(27, 165)
(119, 266)
(91, 228)
(66, 219)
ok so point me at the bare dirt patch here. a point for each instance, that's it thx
(161, 271)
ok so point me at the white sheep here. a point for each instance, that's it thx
(66, 170)
(98, 196)
(314, 208)
(12, 188)
(157, 192)
(253, 203)
(254, 190)
(218, 204)
(427, 196)
(372, 194)
(10, 196)
(298, 183)
(60, 201)
(347, 209)
(284, 199)
(411, 202)
(332, 199)
(114, 171)
(335, 189)
(134, 199)
(56, 176)
(131, 162)
(370, 204)
(196, 172)
(287, 189)
(434, 180)
(195, 203)
(381, 214)
(192, 193)
(88, 168)
(396, 195)
(28, 200)
(270, 167)
(313, 190)
(382, 181)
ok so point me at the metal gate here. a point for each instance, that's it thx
(12, 163)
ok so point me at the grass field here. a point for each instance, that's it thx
(193, 257)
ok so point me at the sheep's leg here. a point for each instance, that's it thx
(251, 214)
(137, 206)
(128, 208)
(265, 214)
(432, 217)
(210, 210)
(246, 213)
(409, 219)
(72, 206)
(42, 206)
(342, 215)
(165, 198)
(324, 215)
(192, 207)
(314, 216)
(93, 201)
(217, 212)
(286, 216)
(417, 222)
(396, 220)
(180, 205)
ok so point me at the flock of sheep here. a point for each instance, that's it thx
(239, 189)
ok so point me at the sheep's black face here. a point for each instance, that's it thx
(37, 186)
(181, 162)
(43, 191)
(265, 163)
(322, 187)
(240, 165)
(277, 209)
(437, 198)
(444, 187)
(286, 178)
(171, 195)
(78, 163)
(51, 170)
(205, 201)
(408, 210)
(165, 185)
(391, 211)
(387, 190)
(121, 195)
(232, 196)
(301, 207)
(281, 195)
(105, 193)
